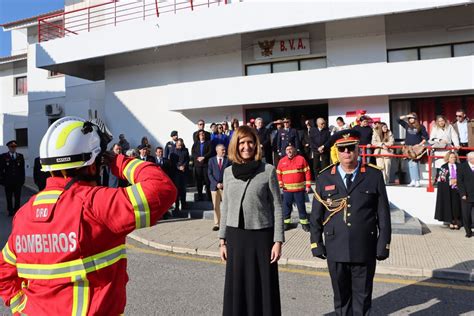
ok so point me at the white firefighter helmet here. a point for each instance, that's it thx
(66, 145)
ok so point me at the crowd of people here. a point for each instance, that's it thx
(311, 145)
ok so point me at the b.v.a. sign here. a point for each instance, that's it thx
(282, 46)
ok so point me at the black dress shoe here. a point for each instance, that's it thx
(468, 235)
(215, 228)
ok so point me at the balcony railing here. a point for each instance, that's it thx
(430, 153)
(112, 13)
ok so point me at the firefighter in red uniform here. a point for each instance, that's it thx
(66, 252)
(294, 177)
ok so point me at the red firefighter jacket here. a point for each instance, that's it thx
(293, 174)
(66, 252)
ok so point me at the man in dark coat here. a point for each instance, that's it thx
(287, 136)
(163, 162)
(465, 183)
(319, 135)
(12, 175)
(180, 163)
(171, 145)
(39, 176)
(143, 150)
(264, 136)
(366, 133)
(351, 209)
(201, 152)
(201, 124)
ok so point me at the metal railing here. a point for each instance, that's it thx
(430, 154)
(110, 14)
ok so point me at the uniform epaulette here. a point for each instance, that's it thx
(374, 166)
(326, 168)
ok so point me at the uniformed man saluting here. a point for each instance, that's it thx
(12, 175)
(351, 209)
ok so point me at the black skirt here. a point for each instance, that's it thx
(251, 282)
(448, 203)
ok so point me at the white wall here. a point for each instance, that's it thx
(376, 107)
(19, 41)
(356, 41)
(375, 79)
(214, 22)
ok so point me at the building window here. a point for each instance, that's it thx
(466, 49)
(284, 66)
(435, 52)
(21, 137)
(259, 69)
(52, 74)
(21, 87)
(402, 55)
(314, 63)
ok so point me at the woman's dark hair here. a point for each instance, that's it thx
(235, 124)
(416, 124)
(339, 118)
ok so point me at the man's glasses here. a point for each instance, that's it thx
(349, 148)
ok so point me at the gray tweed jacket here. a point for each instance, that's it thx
(260, 200)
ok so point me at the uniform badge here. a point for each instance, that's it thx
(329, 187)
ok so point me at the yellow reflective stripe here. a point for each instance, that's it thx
(129, 170)
(278, 171)
(295, 185)
(304, 221)
(47, 197)
(287, 221)
(66, 131)
(75, 269)
(293, 171)
(60, 166)
(314, 245)
(49, 192)
(80, 301)
(8, 255)
(140, 205)
(15, 301)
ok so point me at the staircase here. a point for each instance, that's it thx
(402, 222)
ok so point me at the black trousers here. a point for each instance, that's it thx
(13, 191)
(352, 285)
(179, 180)
(320, 161)
(202, 179)
(466, 216)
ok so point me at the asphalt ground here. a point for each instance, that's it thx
(163, 283)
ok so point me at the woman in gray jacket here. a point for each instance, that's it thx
(251, 229)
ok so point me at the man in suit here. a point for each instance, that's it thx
(201, 124)
(287, 136)
(180, 162)
(143, 150)
(264, 136)
(12, 174)
(351, 210)
(319, 136)
(171, 145)
(215, 172)
(465, 182)
(163, 162)
(201, 152)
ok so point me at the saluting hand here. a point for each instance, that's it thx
(276, 252)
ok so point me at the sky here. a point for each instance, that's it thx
(12, 10)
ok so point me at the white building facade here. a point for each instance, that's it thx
(269, 59)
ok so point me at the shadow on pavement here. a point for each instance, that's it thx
(428, 297)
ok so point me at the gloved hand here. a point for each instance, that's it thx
(104, 133)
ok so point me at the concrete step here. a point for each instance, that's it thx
(412, 226)
(397, 215)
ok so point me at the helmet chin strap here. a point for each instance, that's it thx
(86, 177)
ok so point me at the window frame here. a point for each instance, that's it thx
(15, 85)
(19, 140)
(428, 46)
(271, 63)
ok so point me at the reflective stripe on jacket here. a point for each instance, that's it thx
(66, 253)
(293, 174)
